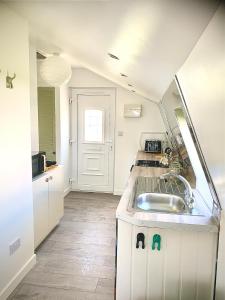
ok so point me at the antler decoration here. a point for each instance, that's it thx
(9, 84)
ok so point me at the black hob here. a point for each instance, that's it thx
(150, 163)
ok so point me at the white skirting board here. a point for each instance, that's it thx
(67, 190)
(118, 192)
(115, 192)
(18, 278)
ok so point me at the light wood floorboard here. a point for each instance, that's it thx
(77, 260)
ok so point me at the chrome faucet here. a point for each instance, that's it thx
(188, 193)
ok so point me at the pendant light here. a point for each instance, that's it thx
(55, 71)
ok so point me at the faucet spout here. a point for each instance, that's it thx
(189, 198)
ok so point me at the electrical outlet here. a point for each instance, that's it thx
(14, 246)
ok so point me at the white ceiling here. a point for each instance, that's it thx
(152, 38)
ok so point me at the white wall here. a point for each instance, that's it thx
(33, 99)
(202, 80)
(126, 146)
(16, 213)
(64, 135)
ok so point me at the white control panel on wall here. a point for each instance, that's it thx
(14, 246)
(132, 110)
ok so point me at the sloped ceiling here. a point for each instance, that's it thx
(152, 38)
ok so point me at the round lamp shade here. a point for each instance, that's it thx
(55, 71)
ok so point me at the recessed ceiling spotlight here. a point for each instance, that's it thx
(123, 75)
(113, 56)
(130, 84)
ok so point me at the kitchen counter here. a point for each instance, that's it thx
(203, 222)
(48, 169)
(141, 155)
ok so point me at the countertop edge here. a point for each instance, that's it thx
(159, 220)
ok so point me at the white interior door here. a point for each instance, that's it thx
(93, 114)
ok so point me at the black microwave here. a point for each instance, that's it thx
(38, 163)
(153, 146)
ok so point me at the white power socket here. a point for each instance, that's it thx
(14, 246)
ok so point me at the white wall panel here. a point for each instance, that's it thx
(16, 212)
(33, 99)
(202, 81)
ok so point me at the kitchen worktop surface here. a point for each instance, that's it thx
(47, 170)
(203, 222)
(141, 155)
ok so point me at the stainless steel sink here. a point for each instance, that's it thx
(160, 202)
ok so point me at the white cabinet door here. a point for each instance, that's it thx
(183, 268)
(155, 264)
(55, 196)
(139, 262)
(147, 264)
(48, 203)
(123, 257)
(40, 209)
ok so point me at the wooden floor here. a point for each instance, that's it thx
(77, 260)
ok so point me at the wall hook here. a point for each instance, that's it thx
(9, 84)
(140, 238)
(156, 242)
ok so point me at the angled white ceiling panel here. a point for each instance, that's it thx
(152, 38)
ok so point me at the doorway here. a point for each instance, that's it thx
(47, 122)
(93, 120)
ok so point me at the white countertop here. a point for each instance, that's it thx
(46, 172)
(203, 222)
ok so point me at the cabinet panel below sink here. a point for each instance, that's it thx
(183, 267)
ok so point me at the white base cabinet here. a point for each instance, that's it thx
(48, 203)
(182, 268)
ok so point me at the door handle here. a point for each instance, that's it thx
(140, 238)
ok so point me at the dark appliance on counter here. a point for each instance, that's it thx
(153, 146)
(150, 163)
(50, 163)
(38, 163)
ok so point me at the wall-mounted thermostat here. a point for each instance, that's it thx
(132, 110)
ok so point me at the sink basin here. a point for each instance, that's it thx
(160, 202)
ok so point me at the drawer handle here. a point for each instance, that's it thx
(156, 242)
(50, 178)
(46, 180)
(140, 238)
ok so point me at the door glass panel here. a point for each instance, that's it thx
(93, 126)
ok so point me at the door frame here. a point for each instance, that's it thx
(75, 92)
